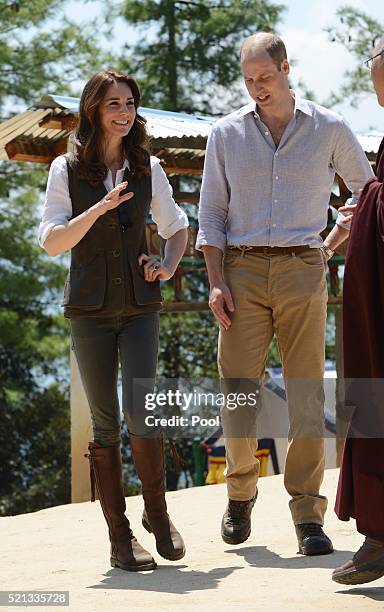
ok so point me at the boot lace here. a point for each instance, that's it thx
(238, 509)
(311, 529)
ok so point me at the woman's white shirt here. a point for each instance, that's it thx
(167, 215)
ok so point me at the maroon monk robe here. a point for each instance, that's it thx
(360, 491)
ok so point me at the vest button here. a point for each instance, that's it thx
(116, 253)
(117, 281)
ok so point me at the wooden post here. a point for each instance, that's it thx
(81, 434)
(178, 282)
(81, 431)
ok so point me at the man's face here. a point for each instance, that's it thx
(264, 81)
(377, 76)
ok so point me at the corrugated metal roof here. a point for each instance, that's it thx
(161, 124)
(64, 102)
(166, 124)
(179, 138)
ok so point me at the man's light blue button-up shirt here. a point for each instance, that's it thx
(254, 193)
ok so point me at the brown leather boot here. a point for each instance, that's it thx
(366, 565)
(148, 455)
(106, 473)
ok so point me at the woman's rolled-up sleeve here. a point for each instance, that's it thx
(167, 215)
(57, 205)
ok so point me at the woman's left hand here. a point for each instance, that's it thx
(154, 269)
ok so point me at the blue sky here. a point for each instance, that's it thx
(320, 63)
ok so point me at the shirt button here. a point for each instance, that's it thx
(266, 133)
(274, 225)
(277, 178)
(275, 201)
(117, 281)
(276, 155)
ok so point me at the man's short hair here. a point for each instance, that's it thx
(276, 49)
(272, 44)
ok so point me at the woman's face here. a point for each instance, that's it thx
(117, 111)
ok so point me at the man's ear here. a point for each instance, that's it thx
(285, 67)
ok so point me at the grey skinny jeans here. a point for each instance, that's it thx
(99, 343)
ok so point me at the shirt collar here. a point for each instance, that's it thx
(123, 167)
(300, 105)
(248, 108)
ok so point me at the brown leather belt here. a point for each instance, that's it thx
(267, 250)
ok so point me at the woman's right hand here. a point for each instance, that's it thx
(113, 199)
(64, 237)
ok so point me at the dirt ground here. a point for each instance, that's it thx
(66, 548)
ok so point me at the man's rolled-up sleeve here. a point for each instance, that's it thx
(351, 164)
(214, 197)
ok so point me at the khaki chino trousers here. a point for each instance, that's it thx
(285, 295)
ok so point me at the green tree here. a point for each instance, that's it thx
(40, 50)
(34, 451)
(357, 32)
(187, 57)
(34, 437)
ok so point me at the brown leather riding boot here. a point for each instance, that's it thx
(106, 473)
(148, 455)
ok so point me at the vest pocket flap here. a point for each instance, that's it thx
(86, 285)
(144, 292)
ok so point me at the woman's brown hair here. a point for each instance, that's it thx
(87, 138)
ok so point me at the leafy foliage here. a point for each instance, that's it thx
(357, 32)
(187, 57)
(34, 457)
(34, 51)
(33, 354)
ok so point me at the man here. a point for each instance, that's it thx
(269, 170)
(361, 485)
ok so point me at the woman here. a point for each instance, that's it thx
(96, 206)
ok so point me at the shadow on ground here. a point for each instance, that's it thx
(165, 579)
(178, 579)
(261, 556)
(375, 593)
